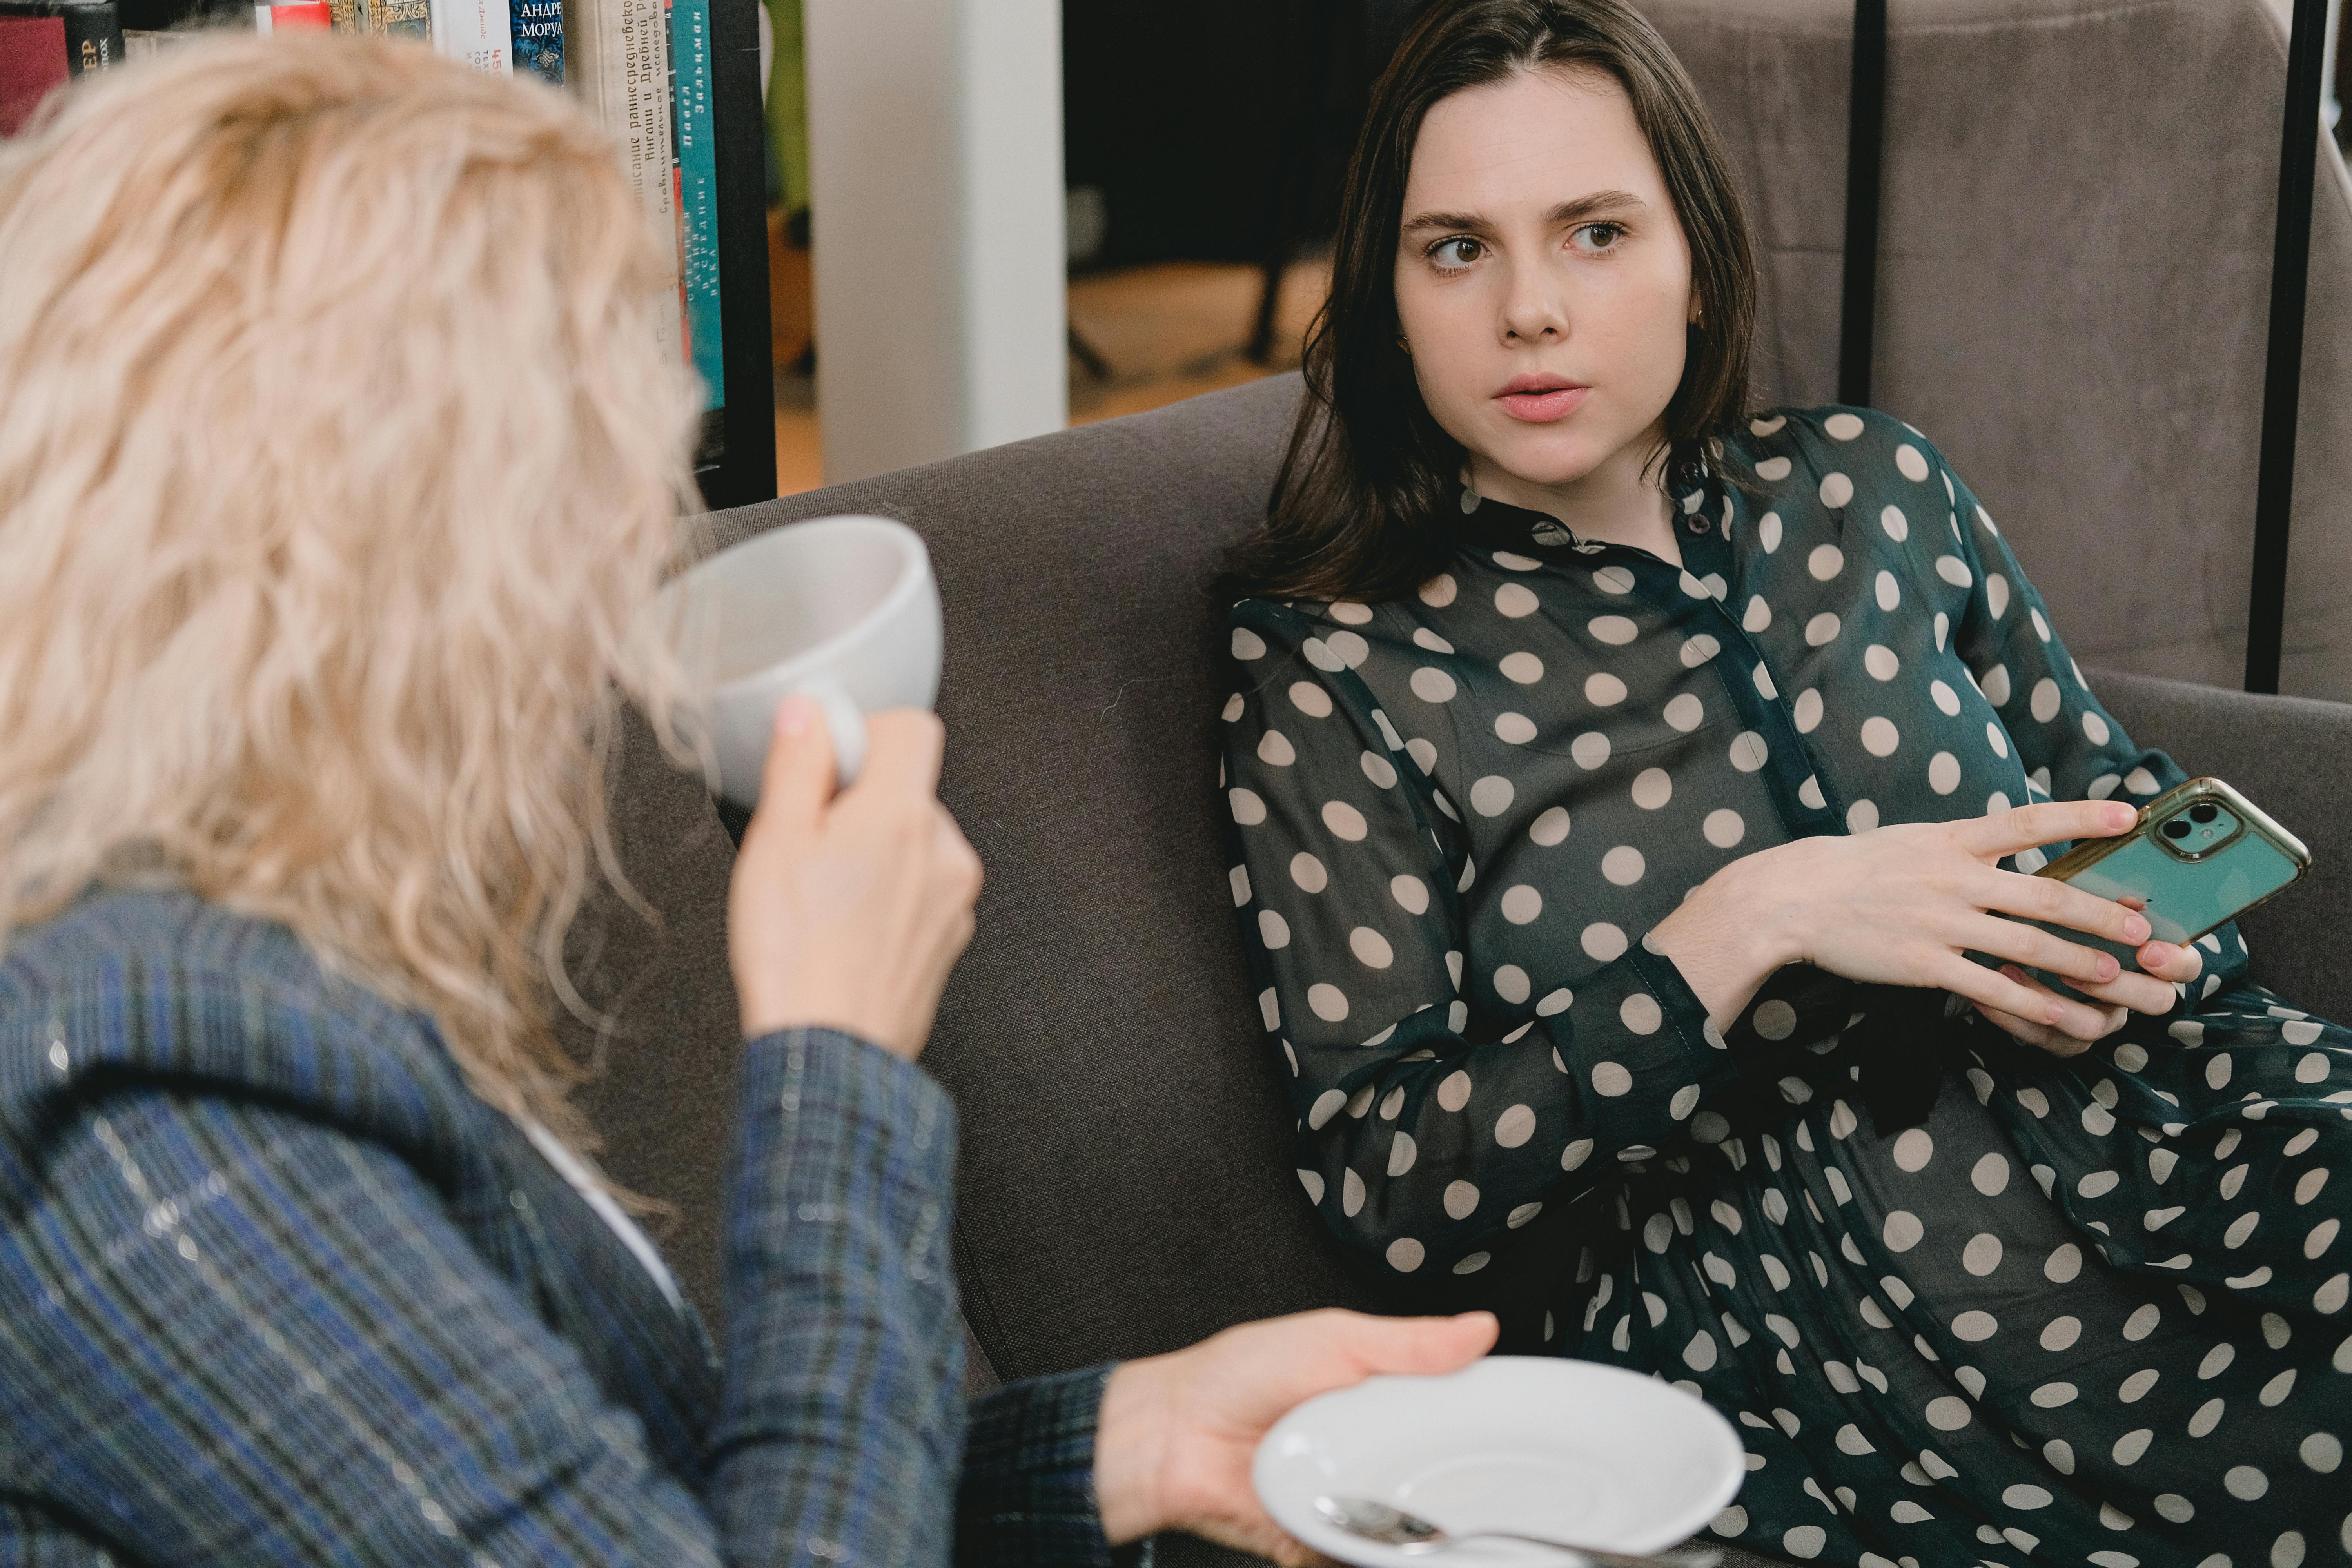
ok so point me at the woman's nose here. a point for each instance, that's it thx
(1532, 309)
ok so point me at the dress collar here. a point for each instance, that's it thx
(1502, 526)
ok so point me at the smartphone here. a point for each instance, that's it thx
(2201, 855)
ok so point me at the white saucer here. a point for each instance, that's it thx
(1570, 1449)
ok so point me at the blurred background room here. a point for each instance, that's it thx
(1203, 148)
(912, 229)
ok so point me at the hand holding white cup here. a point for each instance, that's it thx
(847, 910)
(842, 609)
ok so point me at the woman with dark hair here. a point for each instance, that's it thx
(1623, 787)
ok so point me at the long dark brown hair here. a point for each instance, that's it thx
(1359, 508)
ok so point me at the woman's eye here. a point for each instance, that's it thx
(1454, 253)
(1600, 236)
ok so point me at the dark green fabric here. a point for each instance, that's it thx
(2091, 1310)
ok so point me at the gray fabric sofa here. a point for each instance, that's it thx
(2074, 274)
(1126, 1180)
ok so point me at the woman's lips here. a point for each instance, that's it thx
(1543, 407)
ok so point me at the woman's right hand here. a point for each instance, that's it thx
(1903, 904)
(847, 911)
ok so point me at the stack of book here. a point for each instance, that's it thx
(644, 68)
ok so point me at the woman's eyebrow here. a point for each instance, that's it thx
(1597, 202)
(1567, 212)
(1428, 221)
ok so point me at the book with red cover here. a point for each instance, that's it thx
(44, 43)
(293, 15)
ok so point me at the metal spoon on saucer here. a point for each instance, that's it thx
(1410, 1532)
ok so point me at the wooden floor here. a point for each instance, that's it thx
(1166, 331)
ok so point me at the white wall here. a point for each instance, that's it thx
(2329, 109)
(935, 152)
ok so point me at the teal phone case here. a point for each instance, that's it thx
(2187, 898)
(2201, 855)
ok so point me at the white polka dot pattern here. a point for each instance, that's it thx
(1453, 916)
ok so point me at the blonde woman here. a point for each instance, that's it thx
(338, 456)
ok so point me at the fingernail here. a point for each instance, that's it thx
(2013, 973)
(2120, 816)
(2108, 967)
(796, 715)
(2136, 930)
(2156, 955)
(2052, 1013)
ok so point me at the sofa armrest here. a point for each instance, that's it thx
(2293, 757)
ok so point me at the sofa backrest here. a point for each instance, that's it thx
(2072, 291)
(1125, 1172)
(1122, 1127)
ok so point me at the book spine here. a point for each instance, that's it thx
(539, 38)
(620, 66)
(645, 139)
(477, 32)
(93, 37)
(697, 193)
(299, 15)
(401, 19)
(32, 66)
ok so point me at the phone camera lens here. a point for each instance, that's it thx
(2204, 813)
(2175, 828)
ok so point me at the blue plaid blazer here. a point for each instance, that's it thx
(277, 1288)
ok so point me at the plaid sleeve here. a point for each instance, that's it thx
(1028, 1491)
(232, 1334)
(843, 1417)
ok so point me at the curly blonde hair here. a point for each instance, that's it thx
(340, 456)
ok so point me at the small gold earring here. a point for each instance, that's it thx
(1403, 344)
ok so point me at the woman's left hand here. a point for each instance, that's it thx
(2160, 961)
(1173, 1445)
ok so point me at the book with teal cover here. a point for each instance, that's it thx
(698, 191)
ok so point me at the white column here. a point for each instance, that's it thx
(2330, 110)
(935, 172)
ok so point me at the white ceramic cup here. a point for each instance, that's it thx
(842, 609)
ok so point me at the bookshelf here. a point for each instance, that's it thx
(743, 469)
(724, 201)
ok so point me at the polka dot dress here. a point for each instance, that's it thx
(2087, 1311)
